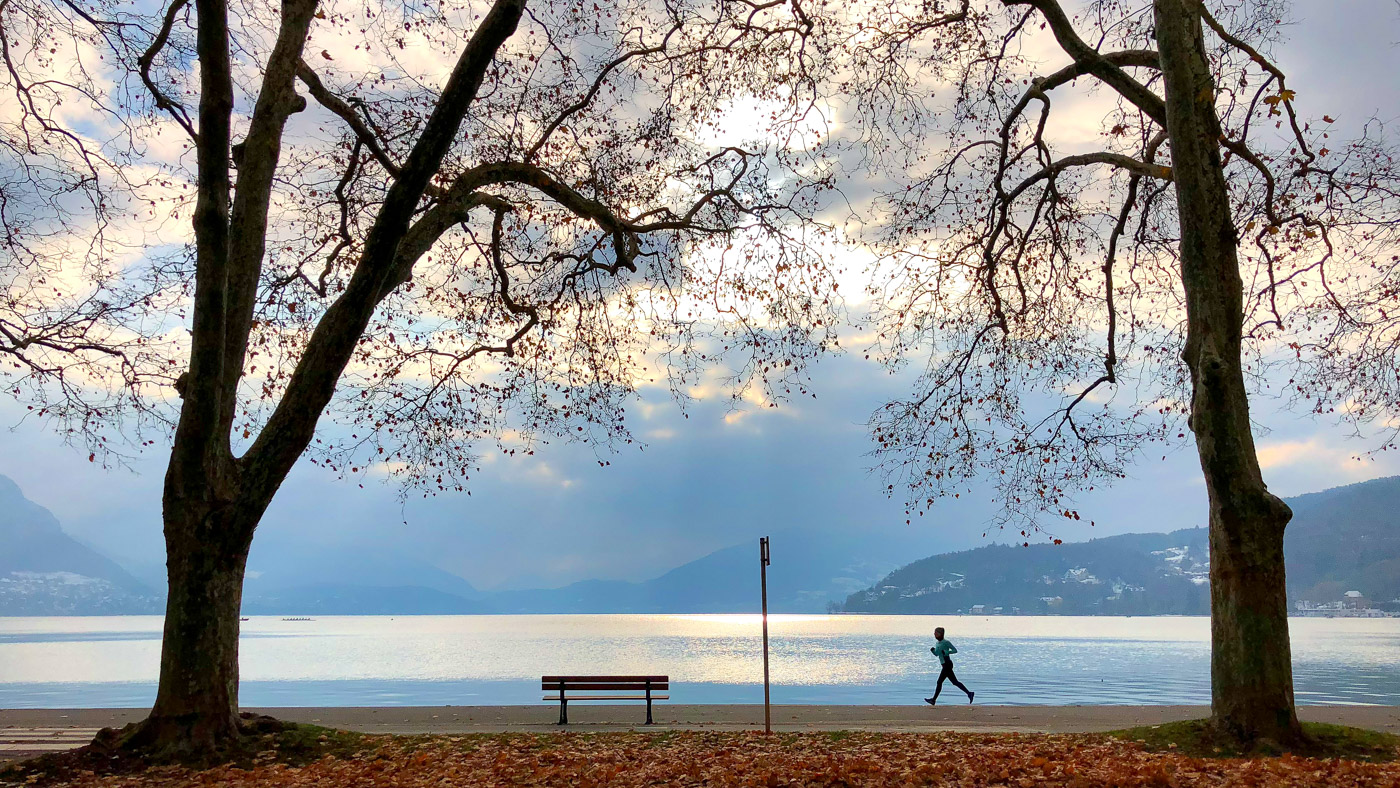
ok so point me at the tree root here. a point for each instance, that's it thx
(132, 749)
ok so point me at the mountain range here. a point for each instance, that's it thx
(57, 575)
(1340, 540)
(46, 572)
(808, 573)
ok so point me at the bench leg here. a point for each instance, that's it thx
(648, 711)
(563, 712)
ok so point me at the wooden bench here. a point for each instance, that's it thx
(564, 685)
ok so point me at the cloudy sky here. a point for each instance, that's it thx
(719, 477)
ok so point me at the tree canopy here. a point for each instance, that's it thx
(597, 221)
(1030, 236)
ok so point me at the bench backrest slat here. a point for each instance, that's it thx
(638, 683)
(633, 679)
(606, 685)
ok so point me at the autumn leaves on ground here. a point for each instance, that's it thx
(742, 759)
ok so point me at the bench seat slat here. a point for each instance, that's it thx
(572, 698)
(572, 679)
(553, 686)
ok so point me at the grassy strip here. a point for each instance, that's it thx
(286, 743)
(1197, 738)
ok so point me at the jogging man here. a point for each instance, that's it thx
(945, 651)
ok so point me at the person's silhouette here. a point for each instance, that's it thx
(945, 650)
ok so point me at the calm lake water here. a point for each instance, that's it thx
(469, 660)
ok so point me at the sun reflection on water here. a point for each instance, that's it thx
(816, 658)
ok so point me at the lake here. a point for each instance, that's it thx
(472, 660)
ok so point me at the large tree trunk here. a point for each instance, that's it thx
(196, 708)
(1251, 667)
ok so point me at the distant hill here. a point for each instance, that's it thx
(808, 571)
(1340, 540)
(344, 599)
(1345, 539)
(1133, 574)
(46, 572)
(287, 576)
(290, 578)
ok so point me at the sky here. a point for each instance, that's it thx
(718, 477)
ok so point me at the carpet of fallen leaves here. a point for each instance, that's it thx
(750, 759)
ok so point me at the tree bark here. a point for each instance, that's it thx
(196, 707)
(1251, 666)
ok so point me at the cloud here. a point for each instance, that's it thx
(1318, 454)
(1280, 454)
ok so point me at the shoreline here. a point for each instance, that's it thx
(773, 614)
(25, 732)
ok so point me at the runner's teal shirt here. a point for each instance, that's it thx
(944, 650)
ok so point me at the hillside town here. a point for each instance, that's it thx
(1353, 604)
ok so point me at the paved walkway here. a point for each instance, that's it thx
(30, 731)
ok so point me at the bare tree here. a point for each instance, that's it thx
(1077, 308)
(442, 224)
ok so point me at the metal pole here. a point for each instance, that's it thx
(763, 561)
